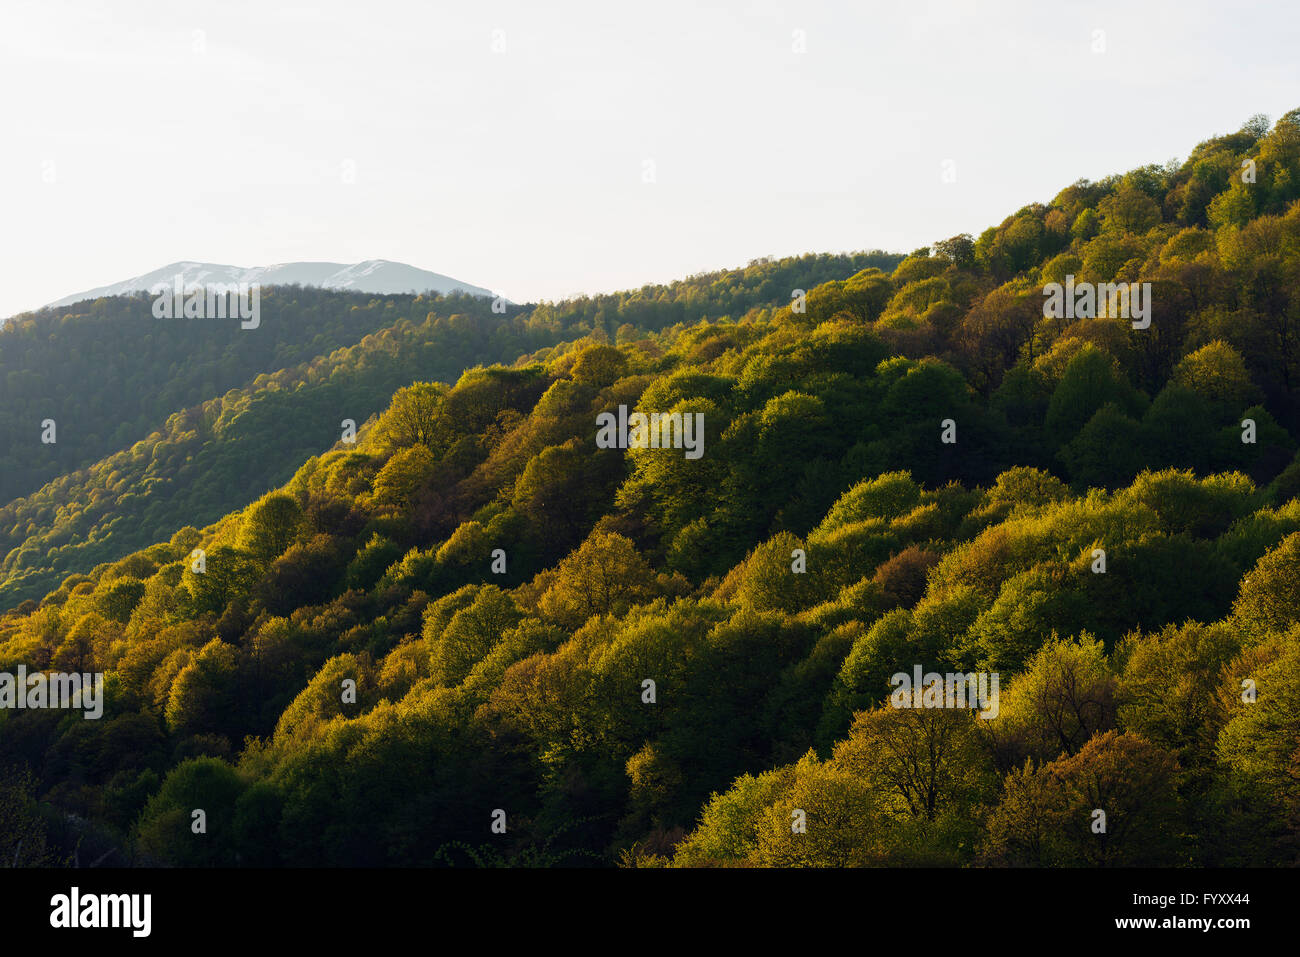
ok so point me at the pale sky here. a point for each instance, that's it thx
(506, 143)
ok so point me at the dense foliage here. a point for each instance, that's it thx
(499, 590)
(205, 460)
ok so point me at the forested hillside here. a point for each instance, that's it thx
(195, 464)
(478, 618)
(109, 373)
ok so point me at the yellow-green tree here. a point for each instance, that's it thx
(604, 575)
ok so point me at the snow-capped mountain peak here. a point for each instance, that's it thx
(379, 276)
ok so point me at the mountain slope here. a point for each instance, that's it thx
(229, 450)
(107, 372)
(647, 658)
(202, 461)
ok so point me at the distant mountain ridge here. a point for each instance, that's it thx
(374, 275)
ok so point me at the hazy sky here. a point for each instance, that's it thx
(506, 143)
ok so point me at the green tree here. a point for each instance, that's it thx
(1050, 816)
(204, 695)
(416, 417)
(471, 633)
(1269, 599)
(166, 830)
(605, 575)
(120, 598)
(270, 526)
